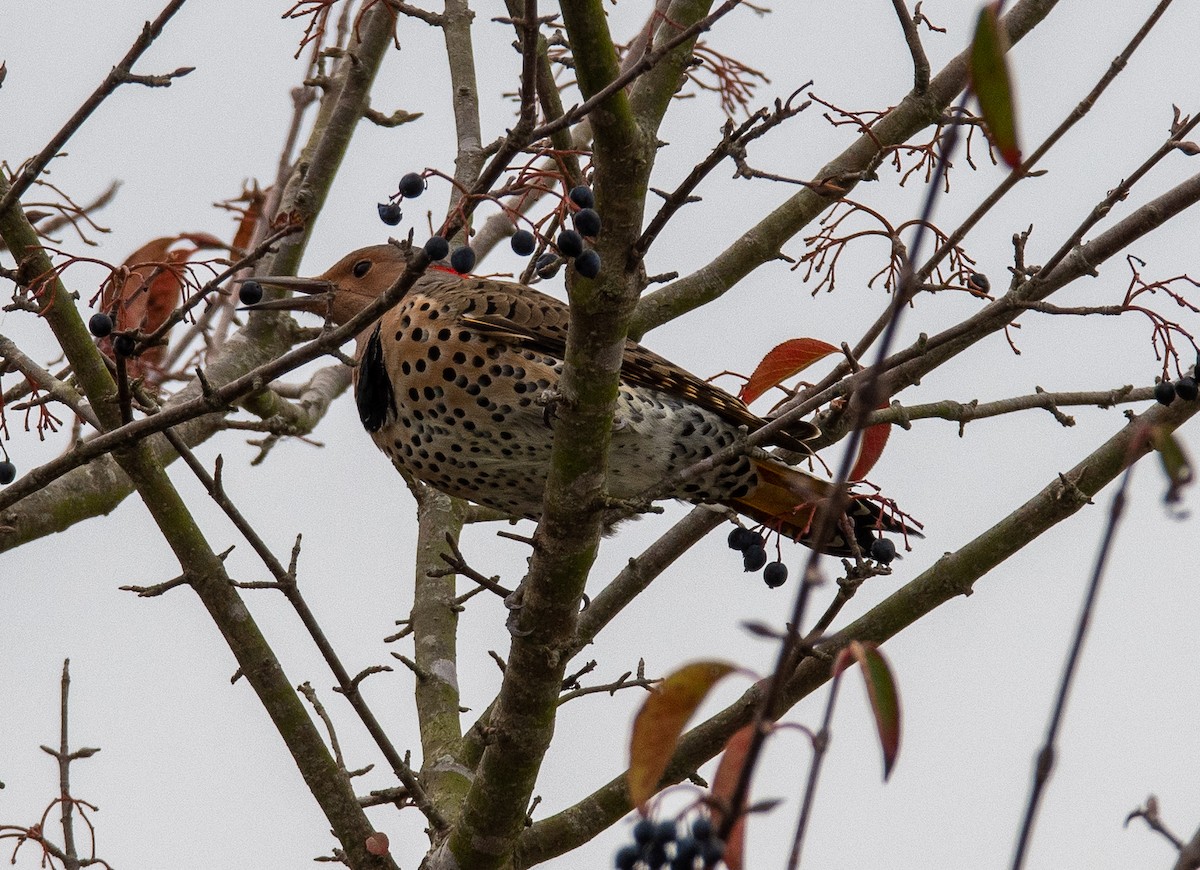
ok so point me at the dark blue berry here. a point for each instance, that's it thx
(100, 325)
(437, 248)
(643, 831)
(775, 574)
(389, 213)
(979, 282)
(587, 264)
(570, 243)
(587, 221)
(523, 243)
(463, 259)
(8, 473)
(711, 851)
(412, 185)
(883, 551)
(251, 293)
(655, 856)
(627, 856)
(582, 196)
(740, 538)
(754, 557)
(547, 265)
(123, 345)
(702, 828)
(686, 850)
(1164, 392)
(1186, 388)
(665, 833)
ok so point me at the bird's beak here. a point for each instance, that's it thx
(318, 294)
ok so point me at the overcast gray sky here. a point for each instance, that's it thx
(191, 773)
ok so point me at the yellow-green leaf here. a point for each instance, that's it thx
(659, 723)
(992, 83)
(1175, 462)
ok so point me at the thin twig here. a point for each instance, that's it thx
(58, 389)
(1045, 757)
(825, 522)
(286, 580)
(120, 74)
(820, 744)
(216, 398)
(913, 39)
(645, 64)
(260, 250)
(1149, 814)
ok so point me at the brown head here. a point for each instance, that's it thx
(344, 289)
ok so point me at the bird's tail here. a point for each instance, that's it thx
(786, 500)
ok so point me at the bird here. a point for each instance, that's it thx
(456, 384)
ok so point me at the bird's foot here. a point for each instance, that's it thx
(550, 400)
(515, 601)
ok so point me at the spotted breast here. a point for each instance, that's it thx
(456, 385)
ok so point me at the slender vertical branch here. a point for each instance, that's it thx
(820, 743)
(913, 39)
(434, 621)
(1045, 757)
(66, 803)
(522, 720)
(464, 96)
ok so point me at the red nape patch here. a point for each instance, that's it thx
(445, 269)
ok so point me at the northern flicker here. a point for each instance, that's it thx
(451, 385)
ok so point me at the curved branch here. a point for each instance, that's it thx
(951, 576)
(762, 242)
(119, 75)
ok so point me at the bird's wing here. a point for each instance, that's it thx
(523, 317)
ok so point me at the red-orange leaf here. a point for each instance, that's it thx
(254, 199)
(881, 693)
(151, 288)
(874, 439)
(729, 771)
(783, 361)
(992, 83)
(659, 723)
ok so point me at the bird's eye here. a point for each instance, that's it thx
(361, 268)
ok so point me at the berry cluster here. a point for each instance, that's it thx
(411, 186)
(753, 548)
(461, 261)
(587, 223)
(658, 846)
(570, 243)
(1185, 388)
(101, 326)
